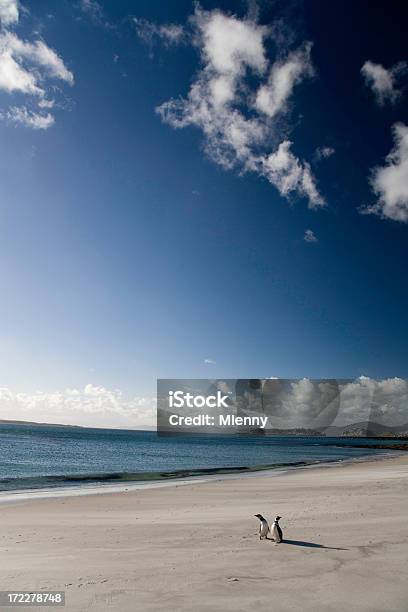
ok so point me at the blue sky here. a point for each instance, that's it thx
(130, 251)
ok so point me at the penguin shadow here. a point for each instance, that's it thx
(310, 544)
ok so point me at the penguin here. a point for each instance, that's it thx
(277, 534)
(263, 527)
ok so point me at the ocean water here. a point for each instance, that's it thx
(33, 457)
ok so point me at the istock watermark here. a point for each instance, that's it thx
(241, 406)
(276, 406)
(179, 399)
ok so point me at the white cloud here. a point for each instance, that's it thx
(37, 54)
(9, 12)
(230, 44)
(390, 182)
(91, 406)
(314, 404)
(240, 120)
(288, 174)
(324, 152)
(37, 121)
(382, 81)
(25, 68)
(239, 123)
(390, 402)
(310, 236)
(383, 401)
(210, 361)
(272, 97)
(169, 33)
(301, 403)
(13, 77)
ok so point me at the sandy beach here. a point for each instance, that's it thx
(195, 547)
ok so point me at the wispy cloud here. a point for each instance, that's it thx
(241, 120)
(90, 406)
(382, 81)
(44, 103)
(324, 152)
(210, 361)
(94, 11)
(390, 182)
(310, 236)
(288, 174)
(168, 33)
(26, 68)
(37, 121)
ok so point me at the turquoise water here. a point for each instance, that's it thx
(51, 456)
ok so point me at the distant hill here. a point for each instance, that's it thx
(295, 431)
(34, 423)
(367, 429)
(362, 429)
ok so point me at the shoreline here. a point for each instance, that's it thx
(15, 496)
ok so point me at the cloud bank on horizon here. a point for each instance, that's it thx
(317, 405)
(90, 406)
(304, 403)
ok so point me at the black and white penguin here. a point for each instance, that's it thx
(276, 531)
(263, 526)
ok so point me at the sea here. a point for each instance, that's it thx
(48, 456)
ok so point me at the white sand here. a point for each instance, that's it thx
(194, 547)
